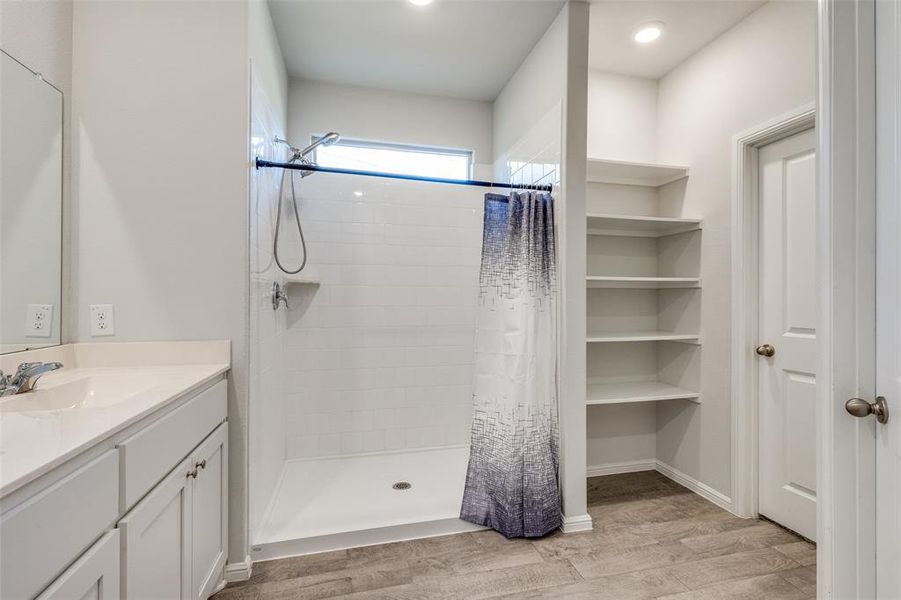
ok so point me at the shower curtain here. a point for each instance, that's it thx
(511, 482)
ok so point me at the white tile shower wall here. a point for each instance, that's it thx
(379, 356)
(535, 158)
(267, 327)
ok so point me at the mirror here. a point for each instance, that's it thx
(31, 182)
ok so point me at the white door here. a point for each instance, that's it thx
(156, 537)
(787, 322)
(210, 508)
(94, 576)
(888, 297)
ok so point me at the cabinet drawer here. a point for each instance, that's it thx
(147, 456)
(40, 537)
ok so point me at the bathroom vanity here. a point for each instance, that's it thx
(114, 473)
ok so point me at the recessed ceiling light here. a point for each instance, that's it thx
(420, 2)
(648, 32)
(358, 193)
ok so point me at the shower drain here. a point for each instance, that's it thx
(402, 485)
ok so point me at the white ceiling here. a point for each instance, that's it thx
(455, 48)
(690, 25)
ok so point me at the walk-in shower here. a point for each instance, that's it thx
(365, 383)
(368, 374)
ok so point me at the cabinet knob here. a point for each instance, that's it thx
(201, 464)
(192, 473)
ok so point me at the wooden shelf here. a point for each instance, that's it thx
(632, 173)
(631, 226)
(641, 336)
(605, 281)
(645, 391)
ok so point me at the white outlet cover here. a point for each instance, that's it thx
(39, 320)
(102, 320)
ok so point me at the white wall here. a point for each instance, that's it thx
(540, 124)
(622, 117)
(536, 88)
(160, 165)
(268, 119)
(758, 70)
(317, 107)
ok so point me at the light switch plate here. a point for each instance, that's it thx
(39, 320)
(102, 320)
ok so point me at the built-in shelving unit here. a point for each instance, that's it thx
(642, 391)
(632, 173)
(643, 285)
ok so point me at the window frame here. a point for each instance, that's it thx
(400, 147)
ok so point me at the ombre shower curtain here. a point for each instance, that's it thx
(511, 482)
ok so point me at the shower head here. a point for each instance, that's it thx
(327, 140)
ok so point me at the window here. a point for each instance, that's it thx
(421, 161)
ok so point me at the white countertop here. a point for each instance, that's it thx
(34, 442)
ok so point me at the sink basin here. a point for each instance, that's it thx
(93, 391)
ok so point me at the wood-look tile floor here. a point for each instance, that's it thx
(652, 539)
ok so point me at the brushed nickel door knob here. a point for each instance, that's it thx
(766, 350)
(858, 407)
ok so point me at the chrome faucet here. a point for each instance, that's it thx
(26, 377)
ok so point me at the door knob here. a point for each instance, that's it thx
(859, 407)
(766, 350)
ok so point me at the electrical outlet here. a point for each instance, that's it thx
(38, 320)
(102, 321)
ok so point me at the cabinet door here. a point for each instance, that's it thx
(94, 576)
(156, 544)
(210, 519)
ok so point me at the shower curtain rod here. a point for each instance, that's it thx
(260, 164)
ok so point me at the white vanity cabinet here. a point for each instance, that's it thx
(156, 540)
(210, 513)
(140, 515)
(94, 576)
(173, 541)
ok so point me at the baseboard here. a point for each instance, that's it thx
(701, 489)
(632, 466)
(239, 571)
(577, 523)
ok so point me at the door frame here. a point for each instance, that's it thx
(745, 299)
(846, 225)
(888, 156)
(846, 269)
